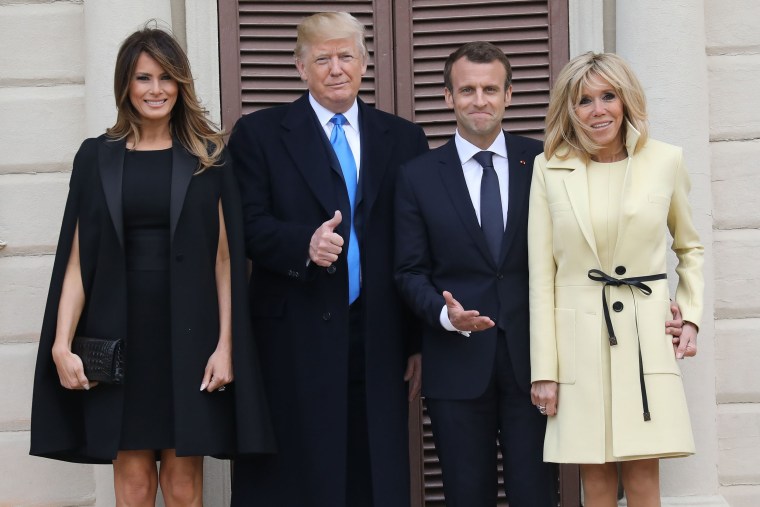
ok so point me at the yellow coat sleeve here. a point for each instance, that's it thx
(688, 249)
(543, 344)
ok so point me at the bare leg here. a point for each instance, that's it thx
(599, 485)
(181, 479)
(135, 479)
(641, 480)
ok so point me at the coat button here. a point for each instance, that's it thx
(620, 270)
(326, 316)
(617, 306)
(180, 257)
(331, 269)
(499, 276)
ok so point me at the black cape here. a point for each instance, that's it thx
(85, 426)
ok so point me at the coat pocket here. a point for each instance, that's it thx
(564, 322)
(656, 346)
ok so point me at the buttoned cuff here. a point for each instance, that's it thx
(446, 323)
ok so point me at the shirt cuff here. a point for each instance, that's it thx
(446, 323)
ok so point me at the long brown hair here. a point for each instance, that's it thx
(189, 123)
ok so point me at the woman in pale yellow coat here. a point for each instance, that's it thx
(603, 197)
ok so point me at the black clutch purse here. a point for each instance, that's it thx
(103, 359)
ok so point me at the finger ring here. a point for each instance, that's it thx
(222, 388)
(542, 410)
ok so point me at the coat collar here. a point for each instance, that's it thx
(307, 144)
(519, 189)
(111, 167)
(576, 184)
(456, 186)
(378, 144)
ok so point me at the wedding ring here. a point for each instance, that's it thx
(541, 409)
(222, 388)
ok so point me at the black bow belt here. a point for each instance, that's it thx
(633, 281)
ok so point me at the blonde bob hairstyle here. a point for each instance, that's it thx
(324, 26)
(189, 123)
(566, 135)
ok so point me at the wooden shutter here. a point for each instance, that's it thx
(521, 28)
(426, 478)
(262, 51)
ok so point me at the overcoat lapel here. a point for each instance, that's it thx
(111, 168)
(519, 183)
(308, 151)
(453, 179)
(628, 197)
(576, 185)
(377, 146)
(184, 166)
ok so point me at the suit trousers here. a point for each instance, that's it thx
(358, 467)
(465, 433)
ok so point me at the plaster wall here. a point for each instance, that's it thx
(56, 88)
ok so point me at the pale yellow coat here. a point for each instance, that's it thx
(567, 329)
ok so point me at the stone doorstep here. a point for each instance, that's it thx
(689, 501)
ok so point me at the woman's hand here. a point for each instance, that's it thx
(70, 369)
(686, 344)
(218, 370)
(544, 395)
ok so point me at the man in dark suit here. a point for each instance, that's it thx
(462, 265)
(317, 179)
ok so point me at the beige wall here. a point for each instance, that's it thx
(733, 64)
(700, 64)
(56, 72)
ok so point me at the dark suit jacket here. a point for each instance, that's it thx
(86, 426)
(290, 184)
(440, 246)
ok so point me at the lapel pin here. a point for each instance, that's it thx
(522, 162)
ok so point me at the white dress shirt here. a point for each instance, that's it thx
(473, 174)
(351, 127)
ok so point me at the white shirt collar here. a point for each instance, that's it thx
(466, 149)
(325, 115)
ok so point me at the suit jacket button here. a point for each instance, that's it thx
(617, 306)
(499, 276)
(180, 257)
(331, 269)
(326, 316)
(620, 270)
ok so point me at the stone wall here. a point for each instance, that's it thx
(56, 75)
(733, 56)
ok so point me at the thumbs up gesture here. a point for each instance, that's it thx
(325, 244)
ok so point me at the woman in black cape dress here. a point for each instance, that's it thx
(151, 251)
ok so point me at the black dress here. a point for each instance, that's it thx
(148, 228)
(148, 420)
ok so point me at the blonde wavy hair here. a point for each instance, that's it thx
(324, 26)
(566, 135)
(189, 123)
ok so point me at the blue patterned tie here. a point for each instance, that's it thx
(491, 214)
(348, 166)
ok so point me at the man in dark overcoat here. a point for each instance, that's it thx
(317, 180)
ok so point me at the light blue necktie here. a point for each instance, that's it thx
(348, 166)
